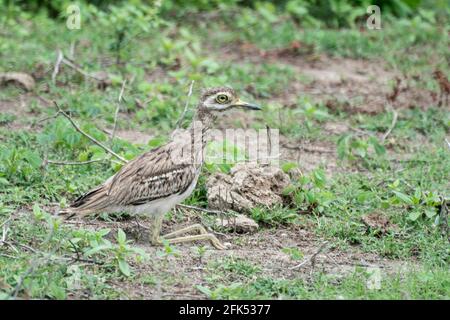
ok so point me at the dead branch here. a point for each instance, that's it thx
(73, 163)
(72, 65)
(5, 227)
(269, 139)
(59, 59)
(394, 121)
(116, 114)
(186, 105)
(306, 148)
(200, 209)
(311, 258)
(443, 218)
(75, 125)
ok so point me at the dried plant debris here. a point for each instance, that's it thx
(444, 87)
(238, 223)
(378, 223)
(19, 78)
(247, 186)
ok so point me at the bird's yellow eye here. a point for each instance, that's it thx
(222, 98)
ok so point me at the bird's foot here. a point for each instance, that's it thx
(204, 235)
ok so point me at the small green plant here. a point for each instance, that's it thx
(419, 203)
(274, 216)
(351, 147)
(19, 166)
(293, 252)
(310, 193)
(94, 244)
(125, 21)
(168, 250)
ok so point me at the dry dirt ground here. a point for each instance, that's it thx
(351, 85)
(177, 276)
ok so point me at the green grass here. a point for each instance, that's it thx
(402, 179)
(420, 284)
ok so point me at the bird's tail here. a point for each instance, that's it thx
(91, 202)
(67, 213)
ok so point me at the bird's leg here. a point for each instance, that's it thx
(204, 235)
(155, 238)
(156, 229)
(194, 227)
(208, 236)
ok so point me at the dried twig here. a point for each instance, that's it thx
(5, 230)
(186, 105)
(200, 209)
(73, 163)
(46, 118)
(116, 114)
(71, 64)
(394, 121)
(87, 135)
(448, 142)
(140, 225)
(306, 148)
(443, 218)
(72, 50)
(311, 258)
(269, 139)
(59, 59)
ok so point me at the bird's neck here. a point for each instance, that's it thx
(203, 121)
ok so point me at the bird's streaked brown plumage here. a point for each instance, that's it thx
(157, 180)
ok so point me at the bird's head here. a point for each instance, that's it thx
(223, 98)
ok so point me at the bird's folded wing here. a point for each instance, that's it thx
(151, 176)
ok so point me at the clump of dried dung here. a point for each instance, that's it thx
(247, 186)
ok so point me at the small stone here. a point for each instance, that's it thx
(227, 245)
(22, 79)
(240, 223)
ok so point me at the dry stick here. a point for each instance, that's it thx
(5, 226)
(186, 105)
(448, 142)
(443, 217)
(77, 68)
(311, 258)
(47, 118)
(72, 50)
(306, 148)
(269, 142)
(74, 163)
(59, 59)
(200, 209)
(87, 135)
(394, 121)
(116, 114)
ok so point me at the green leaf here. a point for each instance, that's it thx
(430, 212)
(37, 212)
(403, 197)
(286, 167)
(414, 215)
(204, 290)
(121, 236)
(98, 249)
(124, 267)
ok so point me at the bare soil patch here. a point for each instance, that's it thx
(176, 277)
(351, 85)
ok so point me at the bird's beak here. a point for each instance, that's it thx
(251, 106)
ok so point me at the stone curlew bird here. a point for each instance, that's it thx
(154, 182)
